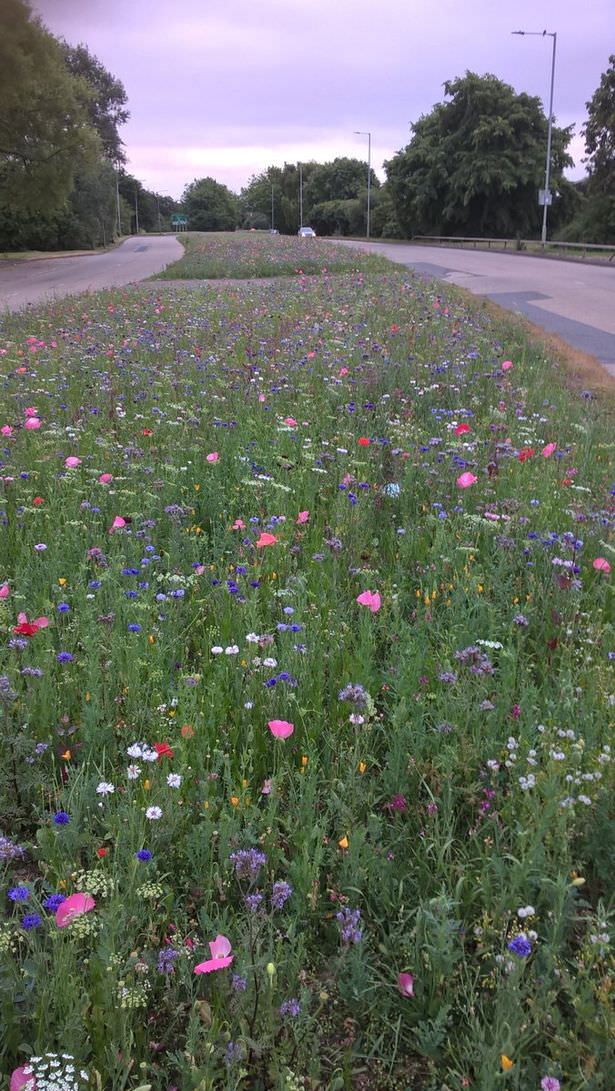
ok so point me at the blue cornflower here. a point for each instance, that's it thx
(61, 818)
(63, 607)
(53, 902)
(64, 657)
(520, 946)
(134, 627)
(30, 921)
(95, 584)
(144, 855)
(19, 893)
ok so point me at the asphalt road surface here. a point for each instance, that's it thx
(23, 283)
(574, 300)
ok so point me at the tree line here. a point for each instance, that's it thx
(473, 164)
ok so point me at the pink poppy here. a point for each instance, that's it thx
(213, 457)
(72, 462)
(342, 371)
(6, 430)
(72, 907)
(238, 525)
(221, 956)
(601, 565)
(32, 423)
(266, 539)
(261, 398)
(290, 421)
(548, 450)
(405, 984)
(371, 599)
(105, 479)
(280, 729)
(29, 628)
(5, 591)
(22, 1079)
(506, 366)
(117, 524)
(30, 411)
(302, 517)
(465, 480)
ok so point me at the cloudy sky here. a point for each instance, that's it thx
(228, 87)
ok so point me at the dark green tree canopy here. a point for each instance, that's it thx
(210, 206)
(475, 163)
(599, 133)
(45, 136)
(106, 99)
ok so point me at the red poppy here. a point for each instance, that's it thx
(147, 432)
(525, 453)
(38, 500)
(461, 429)
(363, 441)
(102, 852)
(163, 750)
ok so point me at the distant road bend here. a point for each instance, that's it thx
(574, 300)
(23, 283)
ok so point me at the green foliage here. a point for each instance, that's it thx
(334, 197)
(105, 101)
(474, 164)
(45, 137)
(599, 133)
(210, 206)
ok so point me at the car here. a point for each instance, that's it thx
(306, 233)
(273, 231)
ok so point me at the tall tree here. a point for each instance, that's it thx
(45, 136)
(474, 164)
(210, 206)
(599, 133)
(106, 99)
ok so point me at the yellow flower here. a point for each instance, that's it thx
(304, 760)
(362, 767)
(62, 582)
(343, 842)
(151, 639)
(147, 785)
(234, 801)
(506, 1063)
(197, 488)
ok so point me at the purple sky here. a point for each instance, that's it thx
(228, 87)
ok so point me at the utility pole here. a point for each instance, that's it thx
(158, 207)
(272, 208)
(117, 195)
(300, 195)
(136, 212)
(546, 196)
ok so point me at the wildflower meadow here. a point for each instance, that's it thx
(306, 683)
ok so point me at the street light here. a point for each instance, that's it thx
(360, 132)
(547, 193)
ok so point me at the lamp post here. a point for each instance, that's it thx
(361, 132)
(547, 192)
(300, 195)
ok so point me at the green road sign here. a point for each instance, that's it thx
(178, 221)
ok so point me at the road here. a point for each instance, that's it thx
(573, 300)
(23, 283)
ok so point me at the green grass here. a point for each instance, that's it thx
(252, 255)
(250, 459)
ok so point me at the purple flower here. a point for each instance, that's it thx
(233, 1053)
(30, 921)
(252, 901)
(349, 920)
(9, 850)
(280, 894)
(61, 818)
(144, 855)
(53, 902)
(520, 946)
(238, 984)
(166, 960)
(247, 863)
(64, 657)
(19, 893)
(291, 1008)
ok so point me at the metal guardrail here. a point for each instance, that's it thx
(516, 244)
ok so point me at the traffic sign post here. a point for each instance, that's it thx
(179, 221)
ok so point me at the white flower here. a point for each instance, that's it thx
(270, 662)
(148, 754)
(134, 751)
(133, 772)
(105, 789)
(253, 638)
(584, 799)
(248, 705)
(174, 780)
(526, 911)
(153, 813)
(217, 650)
(231, 650)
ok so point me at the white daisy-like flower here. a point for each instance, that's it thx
(134, 751)
(217, 650)
(133, 772)
(232, 649)
(149, 754)
(153, 813)
(174, 780)
(105, 788)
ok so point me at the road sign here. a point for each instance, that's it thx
(541, 197)
(178, 220)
